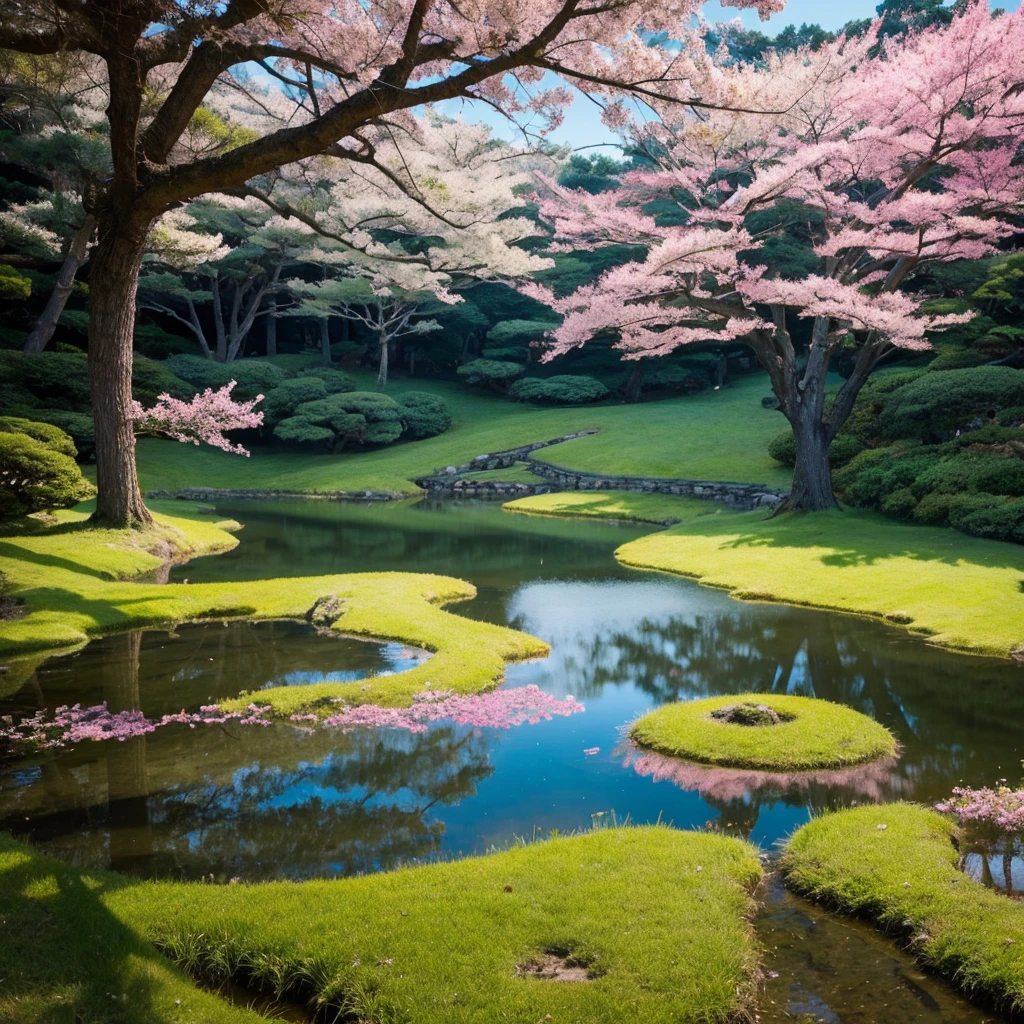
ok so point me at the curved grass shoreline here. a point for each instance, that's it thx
(75, 584)
(814, 734)
(896, 865)
(659, 919)
(960, 592)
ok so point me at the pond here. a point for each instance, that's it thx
(269, 802)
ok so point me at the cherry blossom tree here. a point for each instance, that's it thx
(201, 420)
(350, 70)
(890, 164)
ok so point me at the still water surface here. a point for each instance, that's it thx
(268, 803)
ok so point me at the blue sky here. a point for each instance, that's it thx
(582, 126)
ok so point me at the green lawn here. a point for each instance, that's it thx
(716, 435)
(962, 592)
(815, 734)
(657, 919)
(74, 582)
(614, 505)
(896, 865)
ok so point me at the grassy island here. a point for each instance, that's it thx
(896, 865)
(647, 924)
(766, 732)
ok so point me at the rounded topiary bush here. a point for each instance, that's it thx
(334, 381)
(423, 414)
(151, 379)
(45, 433)
(939, 404)
(38, 474)
(559, 390)
(289, 395)
(782, 448)
(252, 376)
(78, 425)
(356, 417)
(492, 372)
(764, 732)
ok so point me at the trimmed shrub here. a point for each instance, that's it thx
(519, 333)
(60, 380)
(677, 379)
(987, 515)
(782, 448)
(45, 433)
(334, 381)
(14, 285)
(900, 503)
(507, 354)
(78, 424)
(423, 414)
(35, 476)
(151, 379)
(1012, 417)
(933, 509)
(958, 359)
(490, 372)
(559, 390)
(358, 417)
(252, 376)
(288, 396)
(937, 404)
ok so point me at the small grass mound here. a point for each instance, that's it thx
(650, 924)
(767, 732)
(621, 505)
(896, 864)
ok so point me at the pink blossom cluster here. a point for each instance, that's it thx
(72, 724)
(202, 419)
(999, 809)
(500, 709)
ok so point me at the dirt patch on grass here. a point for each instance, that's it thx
(553, 967)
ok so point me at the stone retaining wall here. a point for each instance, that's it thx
(227, 494)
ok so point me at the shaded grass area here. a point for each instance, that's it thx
(72, 581)
(904, 877)
(716, 435)
(659, 920)
(616, 505)
(814, 734)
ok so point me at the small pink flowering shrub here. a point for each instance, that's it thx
(991, 821)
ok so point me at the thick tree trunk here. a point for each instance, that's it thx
(382, 372)
(812, 474)
(325, 341)
(113, 284)
(44, 327)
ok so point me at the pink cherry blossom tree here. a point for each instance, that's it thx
(201, 420)
(344, 75)
(892, 162)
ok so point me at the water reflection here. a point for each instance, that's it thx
(270, 802)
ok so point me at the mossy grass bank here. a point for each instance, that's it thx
(896, 864)
(614, 505)
(656, 919)
(961, 592)
(72, 582)
(765, 732)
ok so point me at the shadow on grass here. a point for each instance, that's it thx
(66, 958)
(18, 553)
(860, 539)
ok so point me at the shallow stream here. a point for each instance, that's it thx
(256, 803)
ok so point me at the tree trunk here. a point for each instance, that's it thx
(382, 372)
(44, 327)
(812, 474)
(272, 329)
(325, 341)
(113, 284)
(634, 385)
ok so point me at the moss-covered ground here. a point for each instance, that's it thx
(896, 865)
(716, 435)
(658, 919)
(74, 582)
(614, 505)
(961, 592)
(813, 734)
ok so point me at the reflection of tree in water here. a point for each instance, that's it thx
(366, 810)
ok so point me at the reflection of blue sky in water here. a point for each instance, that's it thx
(380, 660)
